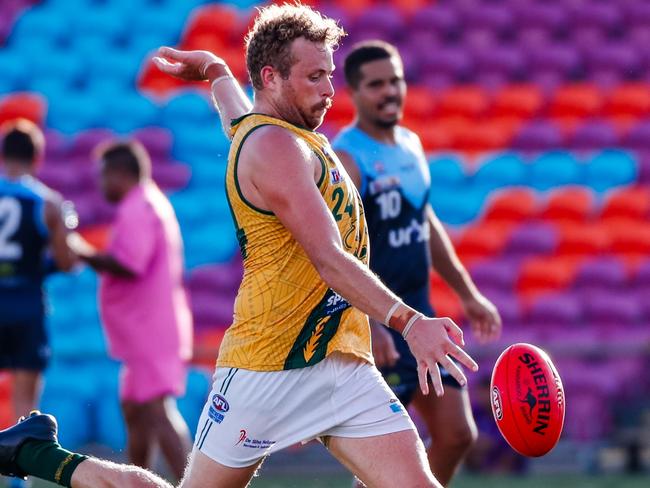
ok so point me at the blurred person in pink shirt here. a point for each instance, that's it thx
(143, 304)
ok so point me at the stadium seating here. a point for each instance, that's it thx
(535, 117)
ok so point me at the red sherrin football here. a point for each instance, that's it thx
(527, 399)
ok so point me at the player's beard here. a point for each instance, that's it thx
(389, 123)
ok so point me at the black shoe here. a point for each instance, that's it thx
(38, 426)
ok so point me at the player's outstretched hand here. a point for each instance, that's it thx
(483, 317)
(435, 341)
(186, 65)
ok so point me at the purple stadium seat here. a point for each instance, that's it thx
(546, 16)
(643, 160)
(559, 310)
(507, 60)
(559, 58)
(495, 17)
(608, 273)
(84, 142)
(439, 18)
(500, 274)
(532, 238)
(56, 144)
(622, 58)
(605, 16)
(584, 37)
(157, 140)
(638, 138)
(534, 37)
(452, 62)
(210, 309)
(171, 176)
(611, 308)
(384, 19)
(507, 304)
(538, 135)
(637, 13)
(592, 135)
(215, 278)
(642, 275)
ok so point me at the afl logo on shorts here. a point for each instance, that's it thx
(496, 403)
(220, 404)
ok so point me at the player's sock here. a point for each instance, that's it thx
(49, 461)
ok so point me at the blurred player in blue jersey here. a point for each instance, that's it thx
(388, 165)
(32, 240)
(32, 243)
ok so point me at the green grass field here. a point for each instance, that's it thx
(463, 481)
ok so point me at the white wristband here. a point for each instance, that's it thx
(221, 78)
(390, 313)
(410, 323)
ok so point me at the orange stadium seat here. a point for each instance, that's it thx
(521, 101)
(483, 240)
(442, 133)
(206, 346)
(465, 101)
(631, 202)
(153, 80)
(409, 7)
(582, 239)
(571, 103)
(342, 111)
(353, 7)
(574, 204)
(512, 205)
(486, 135)
(445, 302)
(30, 106)
(541, 275)
(206, 41)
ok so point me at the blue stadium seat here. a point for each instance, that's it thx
(556, 168)
(48, 24)
(609, 169)
(457, 208)
(15, 70)
(209, 172)
(212, 242)
(196, 141)
(188, 108)
(447, 171)
(499, 170)
(130, 112)
(191, 404)
(73, 112)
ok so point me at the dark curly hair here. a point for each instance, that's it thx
(268, 43)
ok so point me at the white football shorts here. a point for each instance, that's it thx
(251, 414)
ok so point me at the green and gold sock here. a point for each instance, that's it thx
(47, 460)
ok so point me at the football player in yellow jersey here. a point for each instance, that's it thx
(342, 399)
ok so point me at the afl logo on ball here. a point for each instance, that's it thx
(220, 404)
(496, 403)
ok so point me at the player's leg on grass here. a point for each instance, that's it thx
(204, 472)
(451, 426)
(385, 461)
(26, 390)
(158, 421)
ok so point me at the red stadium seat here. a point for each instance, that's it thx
(483, 240)
(546, 274)
(486, 135)
(521, 101)
(582, 239)
(206, 346)
(419, 104)
(219, 20)
(630, 238)
(444, 300)
(512, 205)
(342, 111)
(572, 103)
(442, 133)
(156, 82)
(30, 106)
(574, 204)
(465, 101)
(630, 100)
(631, 202)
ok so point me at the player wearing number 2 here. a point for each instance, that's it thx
(30, 222)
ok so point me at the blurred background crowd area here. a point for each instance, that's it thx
(535, 115)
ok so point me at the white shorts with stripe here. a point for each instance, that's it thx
(250, 414)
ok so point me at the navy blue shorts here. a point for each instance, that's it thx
(403, 376)
(23, 338)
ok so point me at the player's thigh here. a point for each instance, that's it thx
(447, 417)
(385, 461)
(204, 472)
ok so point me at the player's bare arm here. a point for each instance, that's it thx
(482, 314)
(278, 173)
(229, 99)
(101, 262)
(63, 256)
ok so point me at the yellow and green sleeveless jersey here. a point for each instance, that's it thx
(285, 315)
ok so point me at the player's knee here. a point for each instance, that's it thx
(460, 438)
